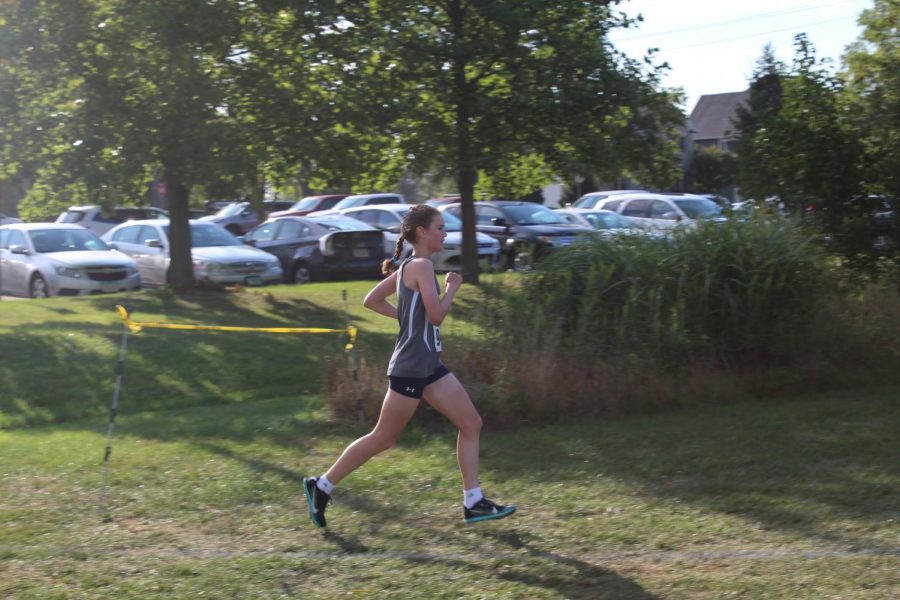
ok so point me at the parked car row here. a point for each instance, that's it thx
(661, 212)
(100, 221)
(604, 222)
(218, 256)
(524, 231)
(309, 204)
(388, 217)
(309, 249)
(346, 236)
(51, 259)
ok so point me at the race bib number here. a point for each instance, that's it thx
(437, 338)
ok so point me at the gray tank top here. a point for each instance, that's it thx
(417, 352)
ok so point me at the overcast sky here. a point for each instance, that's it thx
(712, 45)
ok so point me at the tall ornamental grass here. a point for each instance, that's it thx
(615, 326)
(737, 293)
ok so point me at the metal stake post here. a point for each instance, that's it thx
(113, 411)
(354, 368)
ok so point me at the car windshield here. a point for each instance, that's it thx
(71, 216)
(535, 214)
(342, 224)
(699, 208)
(206, 235)
(232, 209)
(350, 202)
(608, 220)
(588, 201)
(451, 221)
(65, 240)
(305, 204)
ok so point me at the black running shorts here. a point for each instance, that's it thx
(415, 386)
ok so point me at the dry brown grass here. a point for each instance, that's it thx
(517, 388)
(344, 396)
(853, 343)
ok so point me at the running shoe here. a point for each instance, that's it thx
(317, 501)
(485, 510)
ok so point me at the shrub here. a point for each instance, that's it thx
(728, 292)
(607, 327)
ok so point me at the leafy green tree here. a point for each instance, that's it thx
(819, 156)
(116, 88)
(462, 87)
(872, 74)
(793, 139)
(754, 123)
(100, 97)
(713, 169)
(514, 176)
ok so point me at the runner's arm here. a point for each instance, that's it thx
(376, 299)
(422, 271)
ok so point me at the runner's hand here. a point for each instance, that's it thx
(452, 281)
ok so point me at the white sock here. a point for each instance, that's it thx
(323, 484)
(471, 497)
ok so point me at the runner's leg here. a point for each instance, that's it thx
(449, 397)
(396, 411)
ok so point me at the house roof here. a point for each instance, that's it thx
(712, 115)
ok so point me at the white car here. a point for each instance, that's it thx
(48, 259)
(100, 221)
(219, 257)
(661, 212)
(4, 220)
(361, 200)
(388, 217)
(605, 222)
(591, 199)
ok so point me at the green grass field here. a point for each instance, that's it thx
(794, 498)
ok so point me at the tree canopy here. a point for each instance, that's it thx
(102, 97)
(872, 75)
(792, 138)
(502, 92)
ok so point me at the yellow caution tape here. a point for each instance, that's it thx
(136, 326)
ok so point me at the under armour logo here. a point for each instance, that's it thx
(411, 389)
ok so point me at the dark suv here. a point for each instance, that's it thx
(526, 231)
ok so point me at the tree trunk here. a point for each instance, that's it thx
(465, 169)
(181, 267)
(466, 182)
(259, 195)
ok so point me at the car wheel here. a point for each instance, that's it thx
(38, 287)
(523, 260)
(302, 274)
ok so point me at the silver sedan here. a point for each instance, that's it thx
(218, 256)
(50, 259)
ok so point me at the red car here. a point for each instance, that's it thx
(309, 204)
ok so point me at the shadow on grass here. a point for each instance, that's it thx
(792, 468)
(772, 465)
(56, 370)
(482, 307)
(59, 309)
(348, 545)
(255, 464)
(589, 581)
(257, 307)
(570, 577)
